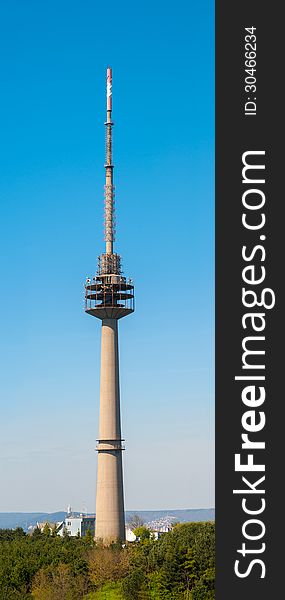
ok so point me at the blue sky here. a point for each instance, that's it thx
(52, 110)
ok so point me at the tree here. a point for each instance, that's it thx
(23, 556)
(107, 564)
(19, 532)
(65, 533)
(178, 566)
(143, 533)
(58, 583)
(46, 529)
(134, 521)
(11, 534)
(88, 538)
(37, 532)
(205, 587)
(132, 584)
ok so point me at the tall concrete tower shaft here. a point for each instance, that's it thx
(109, 296)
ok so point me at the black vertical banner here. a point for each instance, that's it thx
(250, 240)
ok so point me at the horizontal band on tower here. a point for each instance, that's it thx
(110, 446)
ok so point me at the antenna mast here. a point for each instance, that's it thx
(109, 187)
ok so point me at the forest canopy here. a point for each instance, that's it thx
(43, 566)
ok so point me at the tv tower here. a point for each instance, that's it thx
(109, 296)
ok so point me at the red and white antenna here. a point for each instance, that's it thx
(109, 88)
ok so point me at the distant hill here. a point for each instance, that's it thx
(25, 520)
(12, 520)
(183, 516)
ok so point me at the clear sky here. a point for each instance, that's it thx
(54, 56)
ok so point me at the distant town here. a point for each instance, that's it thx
(76, 524)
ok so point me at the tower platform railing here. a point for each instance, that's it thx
(109, 291)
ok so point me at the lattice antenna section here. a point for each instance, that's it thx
(109, 214)
(109, 264)
(108, 140)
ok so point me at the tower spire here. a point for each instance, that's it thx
(109, 186)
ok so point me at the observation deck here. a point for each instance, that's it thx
(109, 296)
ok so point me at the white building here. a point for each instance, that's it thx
(130, 536)
(76, 526)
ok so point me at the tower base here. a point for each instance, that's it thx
(110, 515)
